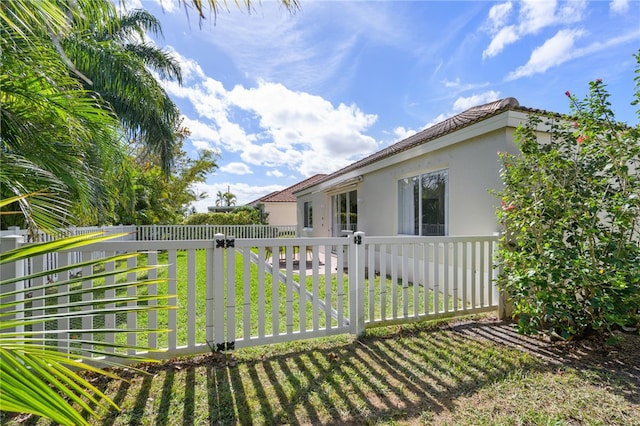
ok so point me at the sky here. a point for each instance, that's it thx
(281, 96)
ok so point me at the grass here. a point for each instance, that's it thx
(425, 373)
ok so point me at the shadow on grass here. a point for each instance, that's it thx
(620, 361)
(372, 379)
(410, 372)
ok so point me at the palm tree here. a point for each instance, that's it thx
(56, 140)
(219, 198)
(62, 78)
(229, 199)
(117, 65)
(54, 134)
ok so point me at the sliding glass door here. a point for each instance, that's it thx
(345, 212)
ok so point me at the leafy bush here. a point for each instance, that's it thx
(571, 210)
(239, 216)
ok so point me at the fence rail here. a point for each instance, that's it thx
(164, 232)
(232, 293)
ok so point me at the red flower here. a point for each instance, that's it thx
(576, 125)
(581, 139)
(506, 207)
(568, 93)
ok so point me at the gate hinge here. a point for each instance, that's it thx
(225, 243)
(221, 347)
(225, 346)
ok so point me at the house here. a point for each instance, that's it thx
(435, 182)
(281, 205)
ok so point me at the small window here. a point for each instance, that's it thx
(422, 204)
(308, 214)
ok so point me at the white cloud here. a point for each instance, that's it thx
(401, 133)
(457, 86)
(619, 6)
(203, 135)
(275, 173)
(236, 169)
(190, 68)
(536, 15)
(555, 51)
(498, 15)
(168, 6)
(271, 125)
(271, 43)
(503, 37)
(533, 16)
(464, 103)
(300, 128)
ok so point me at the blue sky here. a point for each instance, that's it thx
(284, 96)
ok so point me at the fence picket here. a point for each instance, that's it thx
(275, 293)
(63, 322)
(246, 294)
(110, 294)
(445, 280)
(172, 315)
(132, 317)
(152, 316)
(191, 298)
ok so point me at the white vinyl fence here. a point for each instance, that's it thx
(232, 293)
(164, 232)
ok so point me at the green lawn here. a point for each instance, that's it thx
(468, 373)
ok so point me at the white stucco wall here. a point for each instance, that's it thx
(321, 203)
(473, 170)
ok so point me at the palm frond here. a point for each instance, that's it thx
(37, 376)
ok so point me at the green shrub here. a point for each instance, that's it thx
(570, 256)
(239, 216)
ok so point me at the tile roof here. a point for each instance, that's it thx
(286, 195)
(464, 119)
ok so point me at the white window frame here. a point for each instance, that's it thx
(411, 203)
(350, 199)
(307, 214)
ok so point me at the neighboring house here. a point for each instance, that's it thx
(281, 205)
(436, 182)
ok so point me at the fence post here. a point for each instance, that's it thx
(505, 305)
(356, 282)
(215, 293)
(12, 270)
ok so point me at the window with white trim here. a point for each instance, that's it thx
(345, 212)
(423, 204)
(308, 214)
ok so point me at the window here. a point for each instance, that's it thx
(308, 214)
(422, 204)
(345, 212)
